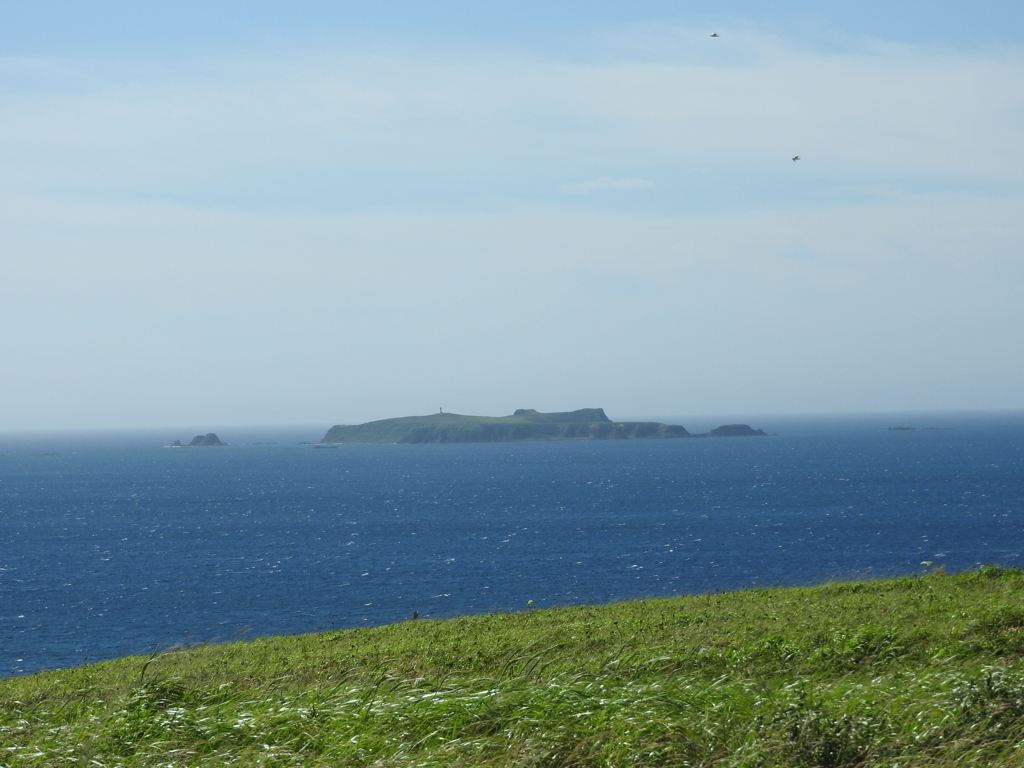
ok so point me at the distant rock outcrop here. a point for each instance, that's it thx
(735, 430)
(203, 441)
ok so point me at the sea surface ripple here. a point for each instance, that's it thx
(114, 544)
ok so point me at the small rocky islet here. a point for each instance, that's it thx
(200, 441)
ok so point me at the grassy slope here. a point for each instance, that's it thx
(908, 672)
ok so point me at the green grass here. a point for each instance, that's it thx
(922, 671)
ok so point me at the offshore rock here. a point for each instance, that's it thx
(735, 430)
(203, 441)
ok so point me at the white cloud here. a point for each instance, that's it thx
(399, 129)
(605, 183)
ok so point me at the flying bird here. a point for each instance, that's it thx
(795, 158)
(715, 34)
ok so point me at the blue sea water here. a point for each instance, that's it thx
(113, 544)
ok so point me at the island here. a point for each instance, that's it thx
(203, 441)
(735, 430)
(526, 424)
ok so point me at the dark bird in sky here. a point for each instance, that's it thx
(715, 34)
(795, 158)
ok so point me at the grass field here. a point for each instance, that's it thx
(922, 671)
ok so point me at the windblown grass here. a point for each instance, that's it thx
(923, 671)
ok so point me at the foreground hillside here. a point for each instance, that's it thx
(925, 671)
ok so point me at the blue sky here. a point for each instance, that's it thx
(175, 29)
(260, 213)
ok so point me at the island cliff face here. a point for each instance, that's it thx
(523, 425)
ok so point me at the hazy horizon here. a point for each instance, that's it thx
(259, 213)
(245, 434)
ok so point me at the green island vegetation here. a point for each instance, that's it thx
(915, 671)
(525, 424)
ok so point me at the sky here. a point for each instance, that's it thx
(332, 212)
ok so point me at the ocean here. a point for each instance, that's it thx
(114, 544)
